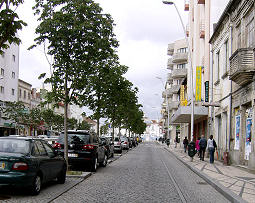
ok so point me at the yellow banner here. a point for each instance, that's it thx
(182, 98)
(198, 83)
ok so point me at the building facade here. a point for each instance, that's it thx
(9, 74)
(233, 67)
(176, 92)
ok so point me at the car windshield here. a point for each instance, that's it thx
(14, 146)
(75, 138)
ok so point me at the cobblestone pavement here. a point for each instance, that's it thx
(240, 181)
(147, 173)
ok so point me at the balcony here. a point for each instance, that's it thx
(173, 105)
(170, 64)
(169, 78)
(180, 57)
(186, 5)
(179, 73)
(242, 67)
(173, 90)
(202, 29)
(200, 1)
(170, 49)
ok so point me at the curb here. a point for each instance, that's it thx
(231, 196)
(84, 175)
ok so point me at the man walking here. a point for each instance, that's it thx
(185, 143)
(211, 146)
(202, 145)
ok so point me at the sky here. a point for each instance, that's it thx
(144, 28)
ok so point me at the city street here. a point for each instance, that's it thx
(147, 173)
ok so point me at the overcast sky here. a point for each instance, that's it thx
(144, 28)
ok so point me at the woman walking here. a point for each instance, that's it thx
(198, 147)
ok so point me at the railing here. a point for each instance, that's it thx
(179, 73)
(179, 57)
(170, 64)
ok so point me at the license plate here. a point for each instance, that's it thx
(72, 155)
(2, 165)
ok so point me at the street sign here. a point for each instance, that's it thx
(206, 91)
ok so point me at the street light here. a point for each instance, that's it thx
(191, 70)
(167, 108)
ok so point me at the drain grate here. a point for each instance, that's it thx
(202, 183)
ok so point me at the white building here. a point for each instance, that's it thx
(9, 74)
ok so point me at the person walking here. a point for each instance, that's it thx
(202, 147)
(211, 147)
(197, 147)
(185, 143)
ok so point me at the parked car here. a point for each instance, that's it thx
(29, 162)
(84, 149)
(130, 142)
(117, 145)
(109, 145)
(124, 142)
(133, 141)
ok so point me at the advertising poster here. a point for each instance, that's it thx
(237, 132)
(248, 138)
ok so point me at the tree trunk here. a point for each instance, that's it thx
(98, 129)
(65, 125)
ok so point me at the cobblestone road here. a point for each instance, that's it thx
(148, 173)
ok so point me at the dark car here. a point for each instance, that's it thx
(84, 149)
(29, 162)
(109, 145)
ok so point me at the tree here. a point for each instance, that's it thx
(105, 128)
(79, 36)
(84, 126)
(9, 24)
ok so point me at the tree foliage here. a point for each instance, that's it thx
(9, 24)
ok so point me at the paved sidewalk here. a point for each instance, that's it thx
(239, 180)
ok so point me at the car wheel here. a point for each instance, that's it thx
(61, 178)
(36, 185)
(94, 165)
(104, 163)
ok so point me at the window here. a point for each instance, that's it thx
(49, 150)
(218, 64)
(2, 71)
(226, 57)
(40, 147)
(181, 66)
(13, 74)
(2, 89)
(178, 82)
(250, 30)
(13, 57)
(182, 50)
(28, 95)
(19, 93)
(13, 91)
(24, 94)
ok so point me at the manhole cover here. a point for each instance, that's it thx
(202, 183)
(2, 197)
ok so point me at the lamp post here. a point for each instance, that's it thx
(191, 70)
(167, 108)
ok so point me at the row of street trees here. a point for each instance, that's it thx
(86, 68)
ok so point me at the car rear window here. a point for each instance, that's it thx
(116, 139)
(75, 138)
(14, 146)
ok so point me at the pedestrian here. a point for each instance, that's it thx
(202, 147)
(211, 147)
(185, 144)
(176, 141)
(197, 147)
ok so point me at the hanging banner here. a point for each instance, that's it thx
(182, 98)
(237, 132)
(248, 138)
(198, 83)
(206, 91)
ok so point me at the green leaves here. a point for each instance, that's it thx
(9, 24)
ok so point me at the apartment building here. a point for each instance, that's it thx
(198, 34)
(176, 83)
(9, 74)
(233, 68)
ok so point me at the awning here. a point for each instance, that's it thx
(183, 114)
